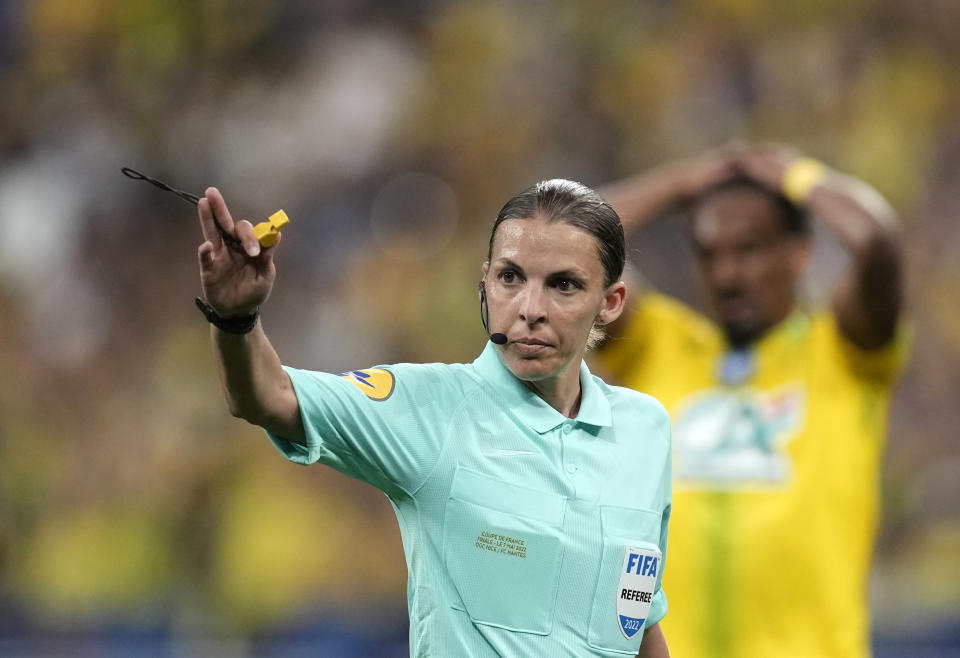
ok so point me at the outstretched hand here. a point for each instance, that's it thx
(234, 281)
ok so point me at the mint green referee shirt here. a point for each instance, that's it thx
(517, 522)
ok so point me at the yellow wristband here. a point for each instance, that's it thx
(801, 177)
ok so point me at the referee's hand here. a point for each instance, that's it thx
(235, 281)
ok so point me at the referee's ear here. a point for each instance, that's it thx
(484, 268)
(614, 300)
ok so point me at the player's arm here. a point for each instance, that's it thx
(641, 199)
(236, 283)
(654, 645)
(869, 295)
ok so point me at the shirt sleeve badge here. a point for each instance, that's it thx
(638, 580)
(375, 383)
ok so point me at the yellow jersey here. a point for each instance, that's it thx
(777, 452)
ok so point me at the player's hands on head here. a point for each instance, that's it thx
(235, 282)
(697, 175)
(766, 162)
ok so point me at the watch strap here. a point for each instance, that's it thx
(241, 324)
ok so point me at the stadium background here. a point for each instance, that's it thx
(138, 519)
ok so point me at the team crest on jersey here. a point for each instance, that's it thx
(375, 383)
(729, 438)
(638, 581)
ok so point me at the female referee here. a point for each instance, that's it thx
(533, 499)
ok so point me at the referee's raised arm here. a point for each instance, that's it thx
(236, 280)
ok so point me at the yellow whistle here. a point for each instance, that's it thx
(268, 232)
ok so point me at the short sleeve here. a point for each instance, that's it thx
(384, 425)
(659, 607)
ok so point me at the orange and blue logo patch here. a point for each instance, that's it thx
(375, 383)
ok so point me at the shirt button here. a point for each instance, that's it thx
(567, 428)
(571, 468)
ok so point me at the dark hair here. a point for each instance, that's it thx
(577, 205)
(795, 219)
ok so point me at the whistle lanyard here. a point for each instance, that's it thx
(231, 240)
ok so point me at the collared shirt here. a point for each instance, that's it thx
(517, 522)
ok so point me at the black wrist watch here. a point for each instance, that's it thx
(242, 324)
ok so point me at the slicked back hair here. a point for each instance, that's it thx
(561, 200)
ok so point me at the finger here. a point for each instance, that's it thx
(206, 250)
(720, 158)
(746, 157)
(219, 208)
(267, 252)
(206, 254)
(264, 262)
(244, 231)
(207, 227)
(745, 165)
(724, 168)
(777, 152)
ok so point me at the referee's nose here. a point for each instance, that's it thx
(533, 305)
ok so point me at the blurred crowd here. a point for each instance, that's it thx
(390, 133)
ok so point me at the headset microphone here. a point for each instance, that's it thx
(496, 339)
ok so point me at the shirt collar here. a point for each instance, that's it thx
(529, 407)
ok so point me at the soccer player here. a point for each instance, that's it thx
(778, 409)
(533, 499)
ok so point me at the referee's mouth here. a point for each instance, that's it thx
(530, 346)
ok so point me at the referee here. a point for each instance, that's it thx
(533, 499)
